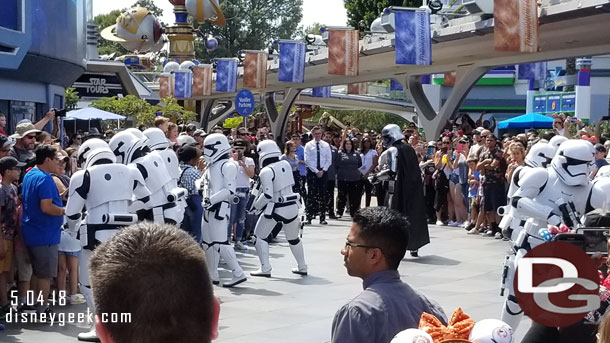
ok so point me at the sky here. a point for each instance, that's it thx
(328, 12)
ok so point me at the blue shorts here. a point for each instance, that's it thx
(70, 253)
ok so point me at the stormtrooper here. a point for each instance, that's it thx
(556, 195)
(401, 178)
(278, 204)
(217, 186)
(130, 147)
(105, 189)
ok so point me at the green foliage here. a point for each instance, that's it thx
(251, 24)
(233, 123)
(361, 13)
(149, 5)
(364, 120)
(71, 98)
(144, 113)
(107, 47)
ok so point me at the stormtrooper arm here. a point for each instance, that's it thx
(140, 191)
(78, 191)
(600, 194)
(266, 188)
(530, 186)
(229, 174)
(389, 172)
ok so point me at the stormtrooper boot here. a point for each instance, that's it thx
(228, 255)
(512, 313)
(212, 257)
(262, 250)
(299, 255)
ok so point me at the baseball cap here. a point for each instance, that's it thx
(5, 142)
(600, 148)
(199, 133)
(24, 129)
(186, 140)
(240, 143)
(187, 153)
(61, 156)
(9, 162)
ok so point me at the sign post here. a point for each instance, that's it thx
(244, 104)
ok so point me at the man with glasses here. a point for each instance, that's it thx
(375, 245)
(23, 150)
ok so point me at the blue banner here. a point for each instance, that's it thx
(321, 92)
(413, 41)
(292, 62)
(226, 75)
(183, 84)
(532, 71)
(395, 85)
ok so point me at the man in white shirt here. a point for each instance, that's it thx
(318, 159)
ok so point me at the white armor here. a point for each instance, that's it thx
(388, 160)
(552, 196)
(217, 186)
(279, 204)
(131, 147)
(106, 190)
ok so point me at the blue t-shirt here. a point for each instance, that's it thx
(300, 154)
(39, 228)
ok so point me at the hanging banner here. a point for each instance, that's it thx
(226, 75)
(165, 85)
(532, 71)
(358, 88)
(183, 84)
(255, 69)
(321, 92)
(413, 39)
(516, 25)
(395, 85)
(343, 51)
(202, 80)
(292, 61)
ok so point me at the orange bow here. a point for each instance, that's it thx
(459, 326)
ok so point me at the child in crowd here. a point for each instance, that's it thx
(474, 180)
(10, 169)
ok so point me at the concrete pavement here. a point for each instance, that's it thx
(455, 269)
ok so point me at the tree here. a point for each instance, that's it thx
(71, 98)
(149, 5)
(362, 119)
(103, 21)
(361, 13)
(251, 24)
(144, 113)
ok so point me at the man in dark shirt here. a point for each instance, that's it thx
(600, 159)
(375, 245)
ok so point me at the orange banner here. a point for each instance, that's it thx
(165, 86)
(202, 80)
(255, 70)
(516, 25)
(357, 88)
(343, 52)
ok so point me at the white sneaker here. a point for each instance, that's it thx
(439, 223)
(239, 246)
(454, 224)
(466, 223)
(473, 231)
(77, 299)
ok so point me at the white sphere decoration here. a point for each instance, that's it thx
(171, 67)
(186, 65)
(209, 9)
(140, 30)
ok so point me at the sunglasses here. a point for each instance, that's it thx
(29, 137)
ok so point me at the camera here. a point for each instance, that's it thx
(60, 113)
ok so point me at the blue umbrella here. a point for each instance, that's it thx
(527, 121)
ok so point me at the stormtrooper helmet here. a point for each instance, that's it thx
(128, 147)
(491, 331)
(390, 134)
(540, 155)
(573, 161)
(99, 155)
(156, 139)
(87, 146)
(556, 141)
(267, 149)
(215, 146)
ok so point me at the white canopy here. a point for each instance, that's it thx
(92, 113)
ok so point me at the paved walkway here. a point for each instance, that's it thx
(455, 269)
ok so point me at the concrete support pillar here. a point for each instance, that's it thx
(211, 116)
(277, 120)
(430, 120)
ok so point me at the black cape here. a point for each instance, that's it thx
(408, 197)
